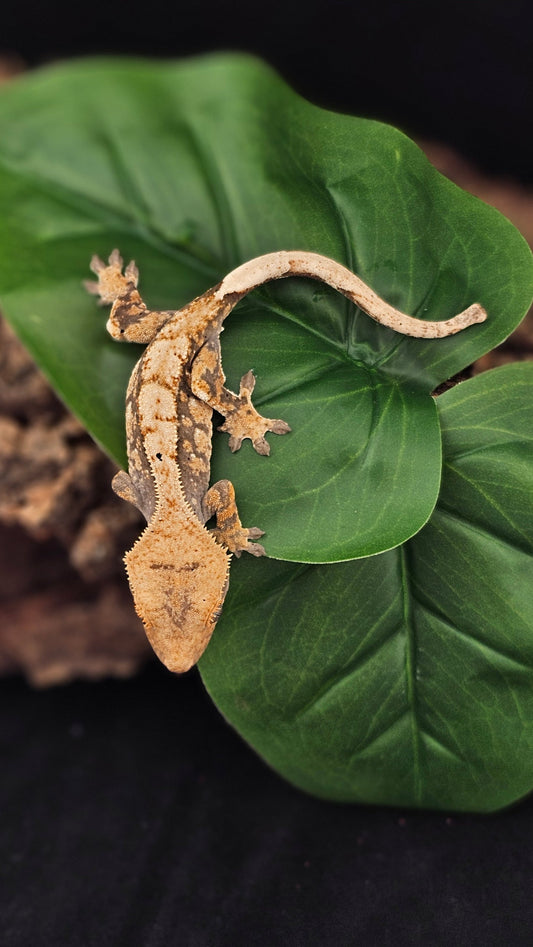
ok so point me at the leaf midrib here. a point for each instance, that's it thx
(410, 671)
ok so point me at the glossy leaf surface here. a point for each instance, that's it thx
(404, 678)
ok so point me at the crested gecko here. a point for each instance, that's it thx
(178, 569)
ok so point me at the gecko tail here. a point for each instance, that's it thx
(284, 263)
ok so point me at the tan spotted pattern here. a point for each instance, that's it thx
(179, 568)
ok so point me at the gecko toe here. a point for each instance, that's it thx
(254, 532)
(132, 272)
(115, 258)
(280, 427)
(256, 549)
(262, 446)
(247, 383)
(234, 443)
(96, 264)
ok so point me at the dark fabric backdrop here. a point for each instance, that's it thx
(458, 71)
(130, 813)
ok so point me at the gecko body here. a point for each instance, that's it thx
(178, 569)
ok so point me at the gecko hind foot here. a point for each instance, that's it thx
(237, 540)
(229, 532)
(244, 421)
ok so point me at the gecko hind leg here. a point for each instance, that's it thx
(241, 418)
(219, 501)
(124, 488)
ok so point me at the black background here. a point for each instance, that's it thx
(459, 71)
(130, 813)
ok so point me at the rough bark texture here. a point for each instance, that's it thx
(65, 608)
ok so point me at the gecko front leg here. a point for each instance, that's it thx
(130, 320)
(241, 418)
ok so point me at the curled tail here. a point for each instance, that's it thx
(286, 263)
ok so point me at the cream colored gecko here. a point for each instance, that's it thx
(178, 569)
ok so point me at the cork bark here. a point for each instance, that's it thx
(65, 608)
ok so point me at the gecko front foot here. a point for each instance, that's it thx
(112, 282)
(244, 421)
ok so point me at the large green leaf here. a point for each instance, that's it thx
(194, 168)
(404, 678)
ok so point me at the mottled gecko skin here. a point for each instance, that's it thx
(178, 569)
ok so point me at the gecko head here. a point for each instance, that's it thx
(180, 632)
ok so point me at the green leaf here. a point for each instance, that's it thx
(192, 169)
(404, 678)
(330, 490)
